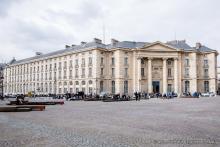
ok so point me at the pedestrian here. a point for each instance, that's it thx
(136, 95)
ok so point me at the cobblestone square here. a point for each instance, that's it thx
(154, 122)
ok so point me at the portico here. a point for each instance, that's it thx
(157, 69)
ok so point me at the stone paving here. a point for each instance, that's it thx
(154, 122)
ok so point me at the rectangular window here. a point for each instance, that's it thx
(125, 87)
(70, 74)
(60, 66)
(90, 60)
(55, 75)
(206, 62)
(169, 72)
(113, 72)
(113, 61)
(83, 62)
(102, 61)
(101, 86)
(126, 72)
(206, 86)
(76, 62)
(65, 65)
(186, 62)
(126, 61)
(90, 90)
(76, 73)
(113, 87)
(50, 76)
(169, 88)
(206, 72)
(64, 74)
(50, 66)
(59, 74)
(90, 72)
(102, 72)
(83, 72)
(187, 72)
(71, 64)
(142, 72)
(71, 90)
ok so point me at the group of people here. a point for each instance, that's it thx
(137, 96)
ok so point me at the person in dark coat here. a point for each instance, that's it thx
(136, 96)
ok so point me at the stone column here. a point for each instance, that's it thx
(164, 75)
(139, 73)
(176, 75)
(134, 72)
(149, 75)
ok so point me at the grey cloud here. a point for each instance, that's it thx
(39, 25)
(5, 6)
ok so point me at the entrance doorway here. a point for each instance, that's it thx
(156, 86)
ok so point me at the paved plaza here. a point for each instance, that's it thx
(154, 122)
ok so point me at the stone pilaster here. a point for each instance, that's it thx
(164, 75)
(149, 77)
(176, 75)
(139, 73)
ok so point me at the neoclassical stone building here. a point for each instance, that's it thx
(119, 67)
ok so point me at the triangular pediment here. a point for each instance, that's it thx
(159, 46)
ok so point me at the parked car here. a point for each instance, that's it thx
(208, 94)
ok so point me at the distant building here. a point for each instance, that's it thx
(118, 67)
(2, 66)
(218, 75)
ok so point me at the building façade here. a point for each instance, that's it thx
(119, 67)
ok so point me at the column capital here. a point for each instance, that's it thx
(176, 58)
(150, 58)
(164, 58)
(139, 58)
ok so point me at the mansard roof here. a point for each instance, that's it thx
(179, 44)
(205, 49)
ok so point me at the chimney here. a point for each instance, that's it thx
(198, 45)
(114, 42)
(83, 43)
(67, 47)
(96, 40)
(38, 53)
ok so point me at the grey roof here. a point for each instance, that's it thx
(127, 44)
(2, 66)
(77, 47)
(205, 49)
(181, 44)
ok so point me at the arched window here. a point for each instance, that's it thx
(77, 82)
(187, 86)
(83, 83)
(113, 87)
(71, 83)
(90, 82)
(65, 83)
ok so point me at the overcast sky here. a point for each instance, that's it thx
(27, 26)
